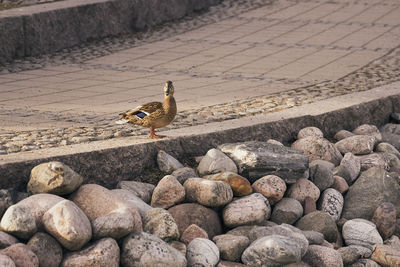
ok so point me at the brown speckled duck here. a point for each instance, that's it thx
(154, 114)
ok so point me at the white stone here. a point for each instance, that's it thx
(202, 252)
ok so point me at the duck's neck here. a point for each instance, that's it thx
(169, 104)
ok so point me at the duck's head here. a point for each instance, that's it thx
(168, 88)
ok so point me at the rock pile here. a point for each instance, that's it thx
(316, 203)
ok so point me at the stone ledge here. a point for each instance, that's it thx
(108, 162)
(46, 28)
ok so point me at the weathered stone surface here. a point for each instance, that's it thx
(321, 222)
(340, 184)
(47, 249)
(373, 187)
(365, 263)
(361, 232)
(231, 247)
(181, 247)
(271, 186)
(7, 240)
(104, 252)
(387, 148)
(303, 189)
(193, 231)
(273, 250)
(161, 224)
(192, 213)
(243, 230)
(385, 219)
(323, 257)
(21, 255)
(68, 224)
(342, 134)
(207, 192)
(6, 261)
(184, 173)
(143, 249)
(393, 242)
(116, 224)
(257, 159)
(142, 190)
(250, 209)
(130, 199)
(309, 205)
(321, 173)
(54, 178)
(332, 203)
(392, 160)
(357, 144)
(314, 237)
(318, 148)
(19, 221)
(309, 131)
(167, 193)
(230, 264)
(274, 142)
(363, 251)
(167, 163)
(391, 134)
(368, 129)
(385, 255)
(287, 210)
(240, 185)
(374, 160)
(202, 252)
(215, 162)
(349, 255)
(349, 168)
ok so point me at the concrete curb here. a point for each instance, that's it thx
(108, 162)
(45, 28)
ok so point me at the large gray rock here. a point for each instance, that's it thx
(104, 252)
(321, 222)
(54, 178)
(47, 249)
(231, 247)
(288, 210)
(143, 249)
(214, 162)
(142, 190)
(208, 192)
(373, 187)
(257, 159)
(161, 224)
(323, 257)
(361, 232)
(202, 252)
(321, 173)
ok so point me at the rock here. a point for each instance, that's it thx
(142, 190)
(257, 159)
(231, 247)
(167, 193)
(302, 189)
(349, 255)
(184, 173)
(167, 163)
(332, 203)
(54, 178)
(240, 186)
(104, 252)
(193, 231)
(273, 250)
(395, 116)
(363, 251)
(340, 184)
(130, 199)
(321, 174)
(361, 232)
(143, 249)
(21, 255)
(110, 217)
(321, 222)
(250, 209)
(365, 263)
(374, 160)
(207, 192)
(47, 249)
(309, 205)
(370, 130)
(161, 224)
(19, 221)
(318, 148)
(243, 230)
(393, 242)
(391, 134)
(271, 186)
(215, 162)
(192, 213)
(202, 252)
(357, 144)
(230, 264)
(385, 219)
(7, 199)
(314, 237)
(181, 247)
(68, 224)
(309, 131)
(392, 159)
(6, 261)
(7, 240)
(387, 148)
(349, 168)
(342, 134)
(274, 142)
(288, 210)
(373, 187)
(323, 257)
(385, 255)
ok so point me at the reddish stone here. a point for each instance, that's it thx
(385, 219)
(193, 231)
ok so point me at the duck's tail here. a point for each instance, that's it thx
(122, 121)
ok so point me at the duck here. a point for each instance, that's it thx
(153, 115)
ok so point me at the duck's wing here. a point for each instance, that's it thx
(142, 111)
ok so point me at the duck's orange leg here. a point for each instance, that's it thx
(153, 134)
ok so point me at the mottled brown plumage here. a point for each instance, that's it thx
(154, 114)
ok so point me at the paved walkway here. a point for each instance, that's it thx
(265, 59)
